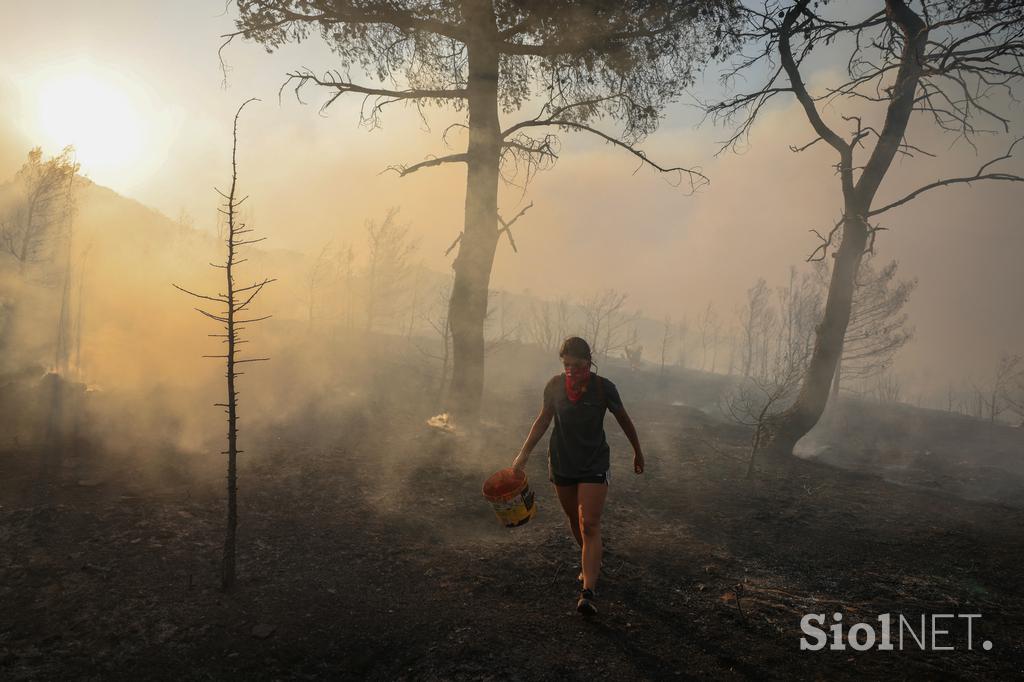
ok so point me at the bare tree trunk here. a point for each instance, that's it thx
(233, 323)
(468, 304)
(236, 302)
(793, 424)
(839, 373)
(227, 580)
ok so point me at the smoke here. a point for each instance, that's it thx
(754, 220)
(598, 223)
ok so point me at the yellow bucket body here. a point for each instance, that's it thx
(510, 496)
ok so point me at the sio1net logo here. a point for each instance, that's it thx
(932, 633)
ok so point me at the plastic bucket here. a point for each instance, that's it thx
(510, 495)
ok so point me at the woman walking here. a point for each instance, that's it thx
(578, 454)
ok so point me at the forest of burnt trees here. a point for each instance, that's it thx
(364, 320)
(834, 328)
(626, 62)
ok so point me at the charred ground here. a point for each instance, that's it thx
(366, 550)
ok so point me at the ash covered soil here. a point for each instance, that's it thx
(367, 551)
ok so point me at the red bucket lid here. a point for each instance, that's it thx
(504, 482)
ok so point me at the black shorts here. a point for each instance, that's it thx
(563, 480)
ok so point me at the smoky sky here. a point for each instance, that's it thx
(597, 222)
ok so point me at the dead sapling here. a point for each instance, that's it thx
(233, 317)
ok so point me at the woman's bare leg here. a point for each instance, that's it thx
(591, 503)
(570, 505)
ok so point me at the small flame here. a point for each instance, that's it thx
(441, 421)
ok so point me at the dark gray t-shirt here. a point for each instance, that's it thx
(578, 446)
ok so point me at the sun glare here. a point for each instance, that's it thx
(99, 116)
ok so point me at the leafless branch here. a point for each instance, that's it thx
(978, 176)
(506, 227)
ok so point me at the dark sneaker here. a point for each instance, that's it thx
(585, 605)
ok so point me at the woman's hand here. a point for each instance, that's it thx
(638, 462)
(519, 463)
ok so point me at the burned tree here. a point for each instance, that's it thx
(414, 304)
(28, 231)
(634, 352)
(878, 326)
(947, 62)
(682, 334)
(581, 61)
(710, 328)
(507, 331)
(345, 261)
(319, 273)
(437, 319)
(1010, 384)
(770, 387)
(800, 305)
(1005, 390)
(330, 288)
(388, 248)
(235, 303)
(757, 318)
(755, 400)
(35, 232)
(62, 356)
(605, 322)
(548, 323)
(667, 337)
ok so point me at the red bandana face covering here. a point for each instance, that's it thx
(576, 379)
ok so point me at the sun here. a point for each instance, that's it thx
(98, 115)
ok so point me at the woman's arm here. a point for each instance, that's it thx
(540, 425)
(627, 428)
